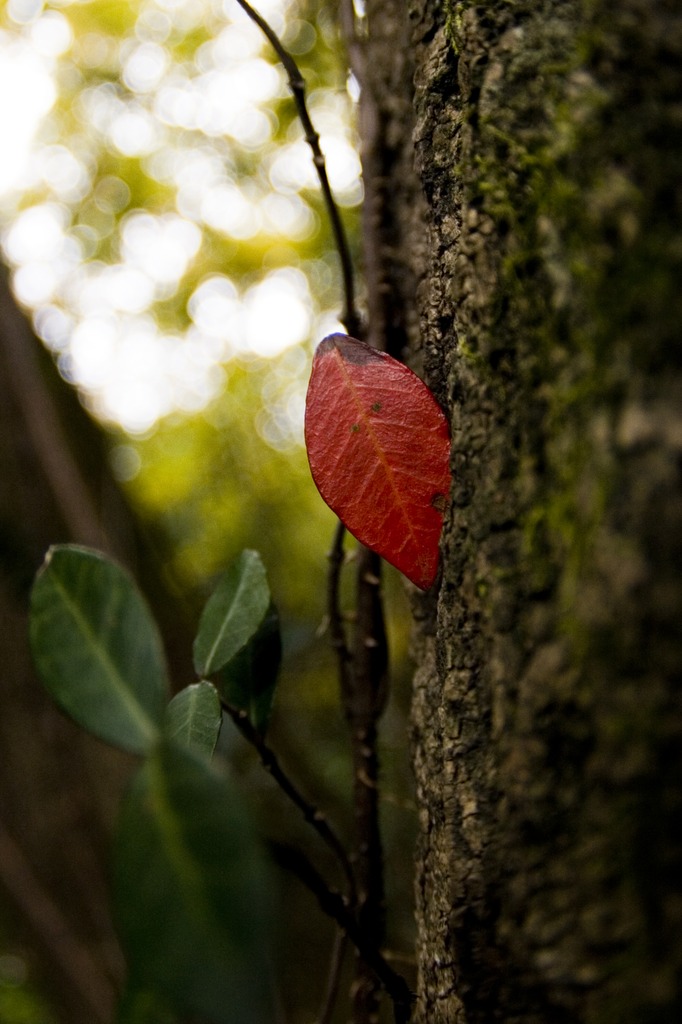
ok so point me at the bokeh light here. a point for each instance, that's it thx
(152, 199)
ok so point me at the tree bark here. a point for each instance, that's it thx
(538, 238)
(547, 713)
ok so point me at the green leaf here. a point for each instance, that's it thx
(190, 891)
(233, 613)
(96, 647)
(248, 681)
(193, 717)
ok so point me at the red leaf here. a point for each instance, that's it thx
(378, 447)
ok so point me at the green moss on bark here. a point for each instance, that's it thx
(579, 191)
(559, 643)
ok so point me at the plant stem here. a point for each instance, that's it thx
(363, 686)
(337, 632)
(341, 909)
(333, 905)
(350, 316)
(363, 710)
(362, 672)
(310, 813)
(334, 977)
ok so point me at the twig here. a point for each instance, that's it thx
(337, 632)
(43, 427)
(363, 710)
(345, 670)
(350, 316)
(72, 957)
(363, 685)
(354, 45)
(310, 813)
(334, 977)
(362, 672)
(374, 183)
(333, 905)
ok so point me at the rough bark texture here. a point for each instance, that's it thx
(382, 60)
(547, 711)
(394, 210)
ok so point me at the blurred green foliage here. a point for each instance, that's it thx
(19, 1004)
(219, 466)
(140, 126)
(224, 469)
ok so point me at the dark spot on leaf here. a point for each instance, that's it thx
(355, 428)
(439, 502)
(350, 349)
(376, 406)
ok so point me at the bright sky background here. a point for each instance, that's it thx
(97, 316)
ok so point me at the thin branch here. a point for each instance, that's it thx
(354, 44)
(345, 670)
(73, 958)
(334, 977)
(363, 710)
(43, 426)
(363, 684)
(310, 813)
(350, 316)
(337, 632)
(362, 671)
(333, 905)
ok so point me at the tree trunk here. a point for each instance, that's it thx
(547, 712)
(538, 237)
